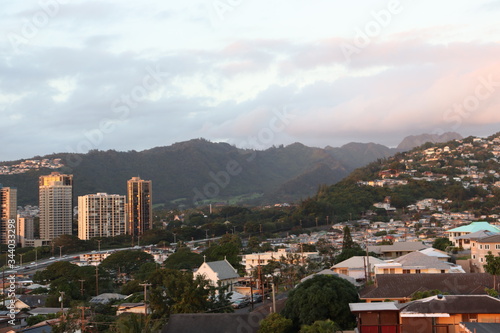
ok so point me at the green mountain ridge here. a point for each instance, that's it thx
(199, 171)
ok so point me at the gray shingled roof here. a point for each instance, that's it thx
(398, 246)
(390, 286)
(213, 323)
(490, 239)
(223, 269)
(454, 304)
(477, 235)
(419, 260)
(357, 262)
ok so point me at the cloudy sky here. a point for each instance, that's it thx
(115, 74)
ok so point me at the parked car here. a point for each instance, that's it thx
(52, 258)
(257, 298)
(240, 303)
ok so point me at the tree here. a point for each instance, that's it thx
(127, 261)
(441, 243)
(492, 267)
(183, 259)
(173, 291)
(228, 247)
(275, 323)
(321, 326)
(347, 242)
(320, 298)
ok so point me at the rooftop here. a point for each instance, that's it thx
(451, 304)
(391, 286)
(476, 226)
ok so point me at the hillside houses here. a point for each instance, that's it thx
(28, 165)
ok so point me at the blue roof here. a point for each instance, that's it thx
(476, 226)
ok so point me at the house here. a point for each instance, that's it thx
(441, 313)
(356, 267)
(377, 317)
(401, 287)
(251, 261)
(468, 238)
(480, 248)
(218, 272)
(468, 229)
(106, 298)
(432, 252)
(132, 308)
(33, 301)
(416, 263)
(397, 249)
(444, 313)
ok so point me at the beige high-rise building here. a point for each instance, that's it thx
(25, 229)
(55, 203)
(101, 215)
(8, 213)
(139, 206)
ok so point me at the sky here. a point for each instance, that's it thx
(132, 75)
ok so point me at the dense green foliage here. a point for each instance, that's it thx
(320, 298)
(183, 259)
(321, 326)
(127, 261)
(441, 243)
(275, 323)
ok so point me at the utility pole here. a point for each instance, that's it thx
(97, 279)
(145, 285)
(61, 299)
(274, 298)
(81, 286)
(99, 245)
(316, 222)
(60, 251)
(327, 220)
(21, 255)
(82, 317)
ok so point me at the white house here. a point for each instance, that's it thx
(218, 271)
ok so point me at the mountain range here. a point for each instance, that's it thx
(199, 171)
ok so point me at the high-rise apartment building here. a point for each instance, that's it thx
(25, 229)
(55, 202)
(101, 215)
(8, 213)
(139, 206)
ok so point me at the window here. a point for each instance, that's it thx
(406, 271)
(487, 246)
(418, 271)
(497, 247)
(481, 246)
(443, 271)
(473, 256)
(481, 259)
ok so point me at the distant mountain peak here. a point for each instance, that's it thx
(413, 141)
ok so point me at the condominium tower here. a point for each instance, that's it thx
(8, 214)
(139, 206)
(56, 209)
(101, 215)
